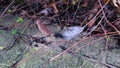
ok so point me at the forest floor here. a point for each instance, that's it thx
(60, 34)
(90, 53)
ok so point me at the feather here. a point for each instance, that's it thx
(69, 32)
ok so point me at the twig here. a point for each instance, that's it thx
(106, 18)
(106, 44)
(96, 26)
(76, 10)
(96, 61)
(6, 9)
(81, 40)
(88, 44)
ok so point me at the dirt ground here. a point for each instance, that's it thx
(91, 53)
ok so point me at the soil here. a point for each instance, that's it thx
(16, 52)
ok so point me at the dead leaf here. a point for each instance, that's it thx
(55, 8)
(105, 1)
(116, 3)
(43, 28)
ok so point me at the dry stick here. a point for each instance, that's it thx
(103, 16)
(117, 23)
(76, 10)
(67, 12)
(105, 31)
(90, 32)
(96, 26)
(17, 9)
(92, 20)
(88, 44)
(31, 9)
(104, 62)
(24, 52)
(113, 33)
(27, 25)
(6, 9)
(81, 40)
(96, 61)
(106, 18)
(28, 57)
(106, 47)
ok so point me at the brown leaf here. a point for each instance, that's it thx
(55, 8)
(116, 3)
(105, 1)
(43, 28)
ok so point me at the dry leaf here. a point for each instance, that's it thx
(116, 3)
(105, 1)
(55, 8)
(43, 28)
